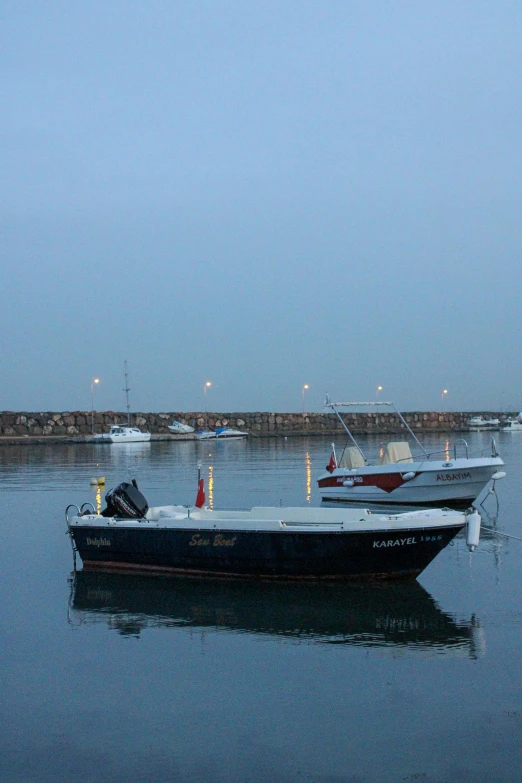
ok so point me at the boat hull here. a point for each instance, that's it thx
(136, 438)
(336, 554)
(431, 482)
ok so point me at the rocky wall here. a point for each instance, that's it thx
(73, 424)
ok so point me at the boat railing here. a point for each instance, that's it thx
(71, 505)
(446, 451)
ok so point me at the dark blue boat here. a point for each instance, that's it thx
(292, 543)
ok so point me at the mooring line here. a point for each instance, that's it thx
(498, 533)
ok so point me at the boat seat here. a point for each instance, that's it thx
(351, 458)
(396, 451)
(154, 513)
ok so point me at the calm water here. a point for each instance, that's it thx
(114, 678)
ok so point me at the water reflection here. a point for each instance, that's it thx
(382, 615)
(308, 466)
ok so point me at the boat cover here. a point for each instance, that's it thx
(396, 451)
(351, 458)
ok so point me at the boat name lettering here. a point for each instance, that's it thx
(98, 542)
(355, 479)
(219, 540)
(394, 542)
(453, 476)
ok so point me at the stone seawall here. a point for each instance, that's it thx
(80, 424)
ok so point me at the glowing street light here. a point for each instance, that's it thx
(444, 392)
(207, 385)
(93, 384)
(305, 387)
(378, 389)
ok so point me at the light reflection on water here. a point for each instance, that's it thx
(192, 680)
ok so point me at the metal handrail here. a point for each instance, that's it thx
(71, 505)
(88, 503)
(460, 440)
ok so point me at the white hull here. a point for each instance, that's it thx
(119, 434)
(142, 437)
(412, 483)
(224, 435)
(513, 426)
(178, 428)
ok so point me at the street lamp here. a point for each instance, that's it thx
(305, 387)
(94, 382)
(207, 385)
(444, 392)
(379, 389)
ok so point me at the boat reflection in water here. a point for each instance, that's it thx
(397, 614)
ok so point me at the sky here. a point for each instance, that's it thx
(260, 195)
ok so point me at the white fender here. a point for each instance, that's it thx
(473, 531)
(408, 476)
(348, 483)
(500, 474)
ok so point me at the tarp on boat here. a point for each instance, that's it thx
(396, 451)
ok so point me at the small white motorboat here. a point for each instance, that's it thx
(178, 428)
(513, 425)
(479, 424)
(397, 476)
(221, 433)
(121, 434)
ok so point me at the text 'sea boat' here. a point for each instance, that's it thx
(281, 542)
(120, 434)
(399, 477)
(221, 433)
(388, 613)
(179, 428)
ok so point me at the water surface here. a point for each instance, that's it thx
(112, 677)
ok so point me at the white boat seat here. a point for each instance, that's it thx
(396, 451)
(155, 513)
(351, 458)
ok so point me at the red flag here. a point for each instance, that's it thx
(332, 464)
(200, 499)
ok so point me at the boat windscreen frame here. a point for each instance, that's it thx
(335, 405)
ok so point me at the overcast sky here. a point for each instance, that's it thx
(261, 195)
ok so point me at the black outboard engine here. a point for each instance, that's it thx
(125, 501)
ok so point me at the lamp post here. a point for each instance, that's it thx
(305, 387)
(93, 384)
(444, 392)
(378, 389)
(207, 385)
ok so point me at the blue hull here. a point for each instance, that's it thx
(292, 555)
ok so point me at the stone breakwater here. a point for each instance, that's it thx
(78, 425)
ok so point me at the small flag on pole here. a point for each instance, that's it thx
(332, 464)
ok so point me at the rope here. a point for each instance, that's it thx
(498, 533)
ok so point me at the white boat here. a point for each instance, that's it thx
(295, 543)
(221, 433)
(513, 425)
(178, 428)
(396, 476)
(479, 424)
(120, 434)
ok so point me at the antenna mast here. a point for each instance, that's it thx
(127, 390)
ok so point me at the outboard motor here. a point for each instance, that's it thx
(125, 501)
